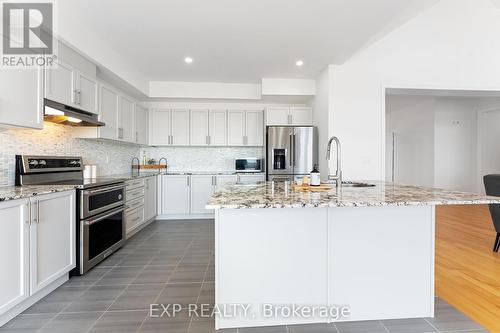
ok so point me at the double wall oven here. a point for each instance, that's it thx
(100, 204)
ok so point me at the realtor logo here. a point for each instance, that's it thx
(27, 30)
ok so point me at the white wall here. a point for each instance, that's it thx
(452, 45)
(456, 144)
(321, 104)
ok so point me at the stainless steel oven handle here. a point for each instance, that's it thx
(101, 190)
(100, 218)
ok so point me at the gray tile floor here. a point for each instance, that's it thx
(173, 262)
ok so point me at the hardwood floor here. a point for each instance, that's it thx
(467, 270)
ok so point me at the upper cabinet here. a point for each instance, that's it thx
(141, 125)
(289, 116)
(126, 120)
(217, 129)
(21, 97)
(72, 81)
(201, 127)
(169, 127)
(108, 112)
(86, 88)
(208, 128)
(245, 128)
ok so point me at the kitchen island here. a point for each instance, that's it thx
(348, 254)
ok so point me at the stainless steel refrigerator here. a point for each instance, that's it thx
(290, 151)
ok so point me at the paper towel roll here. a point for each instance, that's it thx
(87, 171)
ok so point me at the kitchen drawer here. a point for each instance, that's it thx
(134, 204)
(134, 194)
(134, 218)
(135, 183)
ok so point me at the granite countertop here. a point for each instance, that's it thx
(20, 192)
(265, 195)
(143, 174)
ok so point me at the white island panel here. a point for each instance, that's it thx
(270, 256)
(381, 261)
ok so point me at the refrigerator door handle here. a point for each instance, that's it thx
(294, 150)
(291, 150)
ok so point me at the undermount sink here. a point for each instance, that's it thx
(356, 184)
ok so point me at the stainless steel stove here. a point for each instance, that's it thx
(100, 204)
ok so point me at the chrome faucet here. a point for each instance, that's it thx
(159, 163)
(138, 164)
(338, 174)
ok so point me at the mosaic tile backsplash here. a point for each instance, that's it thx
(202, 158)
(110, 157)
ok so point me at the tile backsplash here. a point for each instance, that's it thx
(110, 157)
(202, 158)
(57, 140)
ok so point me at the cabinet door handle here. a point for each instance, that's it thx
(209, 139)
(75, 96)
(171, 139)
(136, 136)
(188, 182)
(79, 97)
(206, 139)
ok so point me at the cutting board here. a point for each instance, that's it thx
(309, 188)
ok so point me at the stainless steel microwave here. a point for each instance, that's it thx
(248, 165)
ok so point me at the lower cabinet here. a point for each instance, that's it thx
(251, 178)
(175, 194)
(14, 253)
(140, 202)
(52, 238)
(185, 196)
(37, 248)
(150, 198)
(202, 188)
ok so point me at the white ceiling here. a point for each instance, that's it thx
(236, 40)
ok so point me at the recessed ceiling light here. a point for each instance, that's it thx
(188, 60)
(299, 63)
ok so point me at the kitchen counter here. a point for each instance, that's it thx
(21, 192)
(263, 195)
(369, 250)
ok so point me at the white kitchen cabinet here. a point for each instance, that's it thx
(22, 107)
(278, 116)
(179, 129)
(159, 127)
(133, 219)
(236, 128)
(284, 116)
(251, 178)
(175, 194)
(217, 128)
(202, 188)
(254, 128)
(86, 93)
(245, 128)
(60, 84)
(108, 112)
(141, 125)
(150, 198)
(301, 116)
(126, 119)
(222, 180)
(52, 238)
(199, 131)
(14, 253)
(169, 127)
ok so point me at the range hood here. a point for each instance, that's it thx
(66, 115)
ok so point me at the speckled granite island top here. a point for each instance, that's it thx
(267, 195)
(21, 192)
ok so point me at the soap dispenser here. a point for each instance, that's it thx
(315, 176)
